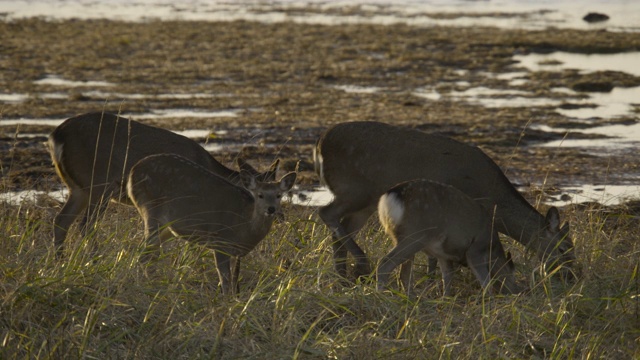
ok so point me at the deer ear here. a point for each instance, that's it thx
(274, 165)
(510, 260)
(553, 218)
(248, 180)
(270, 175)
(287, 181)
(243, 165)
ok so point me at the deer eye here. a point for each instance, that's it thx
(279, 196)
(260, 196)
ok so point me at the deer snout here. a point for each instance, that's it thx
(563, 269)
(275, 212)
(568, 275)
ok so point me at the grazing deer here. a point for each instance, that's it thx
(422, 215)
(359, 161)
(175, 193)
(94, 152)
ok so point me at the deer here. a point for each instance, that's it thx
(359, 161)
(94, 152)
(442, 221)
(192, 202)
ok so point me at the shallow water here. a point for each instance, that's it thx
(55, 80)
(187, 113)
(619, 102)
(604, 194)
(113, 95)
(490, 98)
(558, 61)
(621, 137)
(315, 197)
(354, 89)
(624, 14)
(155, 114)
(19, 197)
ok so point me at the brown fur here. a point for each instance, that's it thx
(94, 152)
(176, 194)
(359, 161)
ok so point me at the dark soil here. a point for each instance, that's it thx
(284, 77)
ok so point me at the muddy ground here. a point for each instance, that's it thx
(283, 79)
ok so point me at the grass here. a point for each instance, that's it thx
(100, 302)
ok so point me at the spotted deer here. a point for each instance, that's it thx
(440, 220)
(94, 152)
(360, 161)
(176, 194)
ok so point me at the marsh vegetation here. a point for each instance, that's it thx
(100, 301)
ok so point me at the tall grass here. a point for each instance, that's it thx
(100, 302)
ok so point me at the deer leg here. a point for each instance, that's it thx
(447, 268)
(76, 203)
(236, 274)
(91, 216)
(223, 265)
(339, 255)
(433, 264)
(352, 224)
(403, 252)
(152, 233)
(332, 215)
(406, 275)
(477, 261)
(98, 200)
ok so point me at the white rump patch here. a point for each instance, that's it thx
(390, 209)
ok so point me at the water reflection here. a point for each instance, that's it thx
(490, 98)
(624, 14)
(55, 80)
(32, 196)
(603, 194)
(318, 196)
(619, 102)
(187, 113)
(558, 61)
(354, 89)
(621, 136)
(155, 114)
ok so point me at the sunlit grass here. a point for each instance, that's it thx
(99, 301)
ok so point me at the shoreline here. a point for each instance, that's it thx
(287, 82)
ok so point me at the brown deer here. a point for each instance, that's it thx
(94, 152)
(359, 161)
(174, 193)
(422, 215)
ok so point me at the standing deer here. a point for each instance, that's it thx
(94, 152)
(422, 215)
(175, 193)
(359, 161)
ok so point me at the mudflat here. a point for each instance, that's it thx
(287, 82)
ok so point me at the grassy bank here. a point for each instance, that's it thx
(100, 302)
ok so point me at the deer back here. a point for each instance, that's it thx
(96, 149)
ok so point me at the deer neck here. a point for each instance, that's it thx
(255, 229)
(524, 224)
